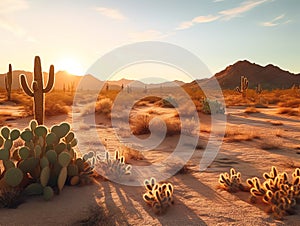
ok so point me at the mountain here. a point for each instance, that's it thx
(269, 76)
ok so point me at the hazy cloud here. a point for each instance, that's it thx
(276, 21)
(244, 7)
(110, 13)
(222, 15)
(197, 20)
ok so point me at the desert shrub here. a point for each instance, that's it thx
(140, 124)
(288, 111)
(104, 106)
(212, 107)
(52, 109)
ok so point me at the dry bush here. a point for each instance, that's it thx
(251, 110)
(52, 108)
(293, 103)
(235, 135)
(104, 106)
(88, 109)
(288, 111)
(140, 124)
(130, 153)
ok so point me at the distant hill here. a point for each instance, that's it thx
(270, 76)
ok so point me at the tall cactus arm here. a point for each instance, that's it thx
(238, 89)
(25, 86)
(50, 80)
(6, 84)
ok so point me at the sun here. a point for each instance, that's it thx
(70, 65)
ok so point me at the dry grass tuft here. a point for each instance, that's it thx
(288, 111)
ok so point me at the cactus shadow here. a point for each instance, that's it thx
(133, 206)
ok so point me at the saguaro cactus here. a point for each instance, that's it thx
(243, 87)
(38, 92)
(8, 81)
(258, 89)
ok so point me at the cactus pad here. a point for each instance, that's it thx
(64, 159)
(34, 189)
(5, 132)
(48, 193)
(15, 134)
(45, 175)
(51, 156)
(4, 154)
(13, 177)
(27, 135)
(62, 177)
(24, 153)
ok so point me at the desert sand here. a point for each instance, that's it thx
(254, 142)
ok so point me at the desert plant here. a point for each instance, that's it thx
(276, 191)
(38, 92)
(243, 86)
(111, 167)
(258, 89)
(8, 81)
(104, 106)
(44, 162)
(158, 196)
(212, 107)
(231, 182)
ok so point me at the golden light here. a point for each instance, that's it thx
(70, 65)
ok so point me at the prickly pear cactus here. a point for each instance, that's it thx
(45, 161)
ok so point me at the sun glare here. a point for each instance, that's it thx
(70, 65)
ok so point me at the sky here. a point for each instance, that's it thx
(73, 34)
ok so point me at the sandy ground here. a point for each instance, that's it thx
(198, 200)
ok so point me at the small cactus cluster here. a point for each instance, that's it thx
(111, 167)
(277, 191)
(44, 162)
(158, 196)
(243, 86)
(212, 107)
(231, 182)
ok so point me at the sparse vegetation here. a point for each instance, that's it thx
(158, 196)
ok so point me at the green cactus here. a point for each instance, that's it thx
(38, 91)
(62, 177)
(243, 86)
(8, 82)
(48, 193)
(45, 158)
(45, 175)
(13, 177)
(34, 189)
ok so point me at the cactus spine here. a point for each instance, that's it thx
(38, 92)
(8, 82)
(243, 87)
